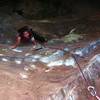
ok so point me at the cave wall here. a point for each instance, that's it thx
(47, 8)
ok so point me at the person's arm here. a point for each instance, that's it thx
(18, 40)
(34, 42)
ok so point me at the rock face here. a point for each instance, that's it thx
(34, 80)
(16, 14)
(30, 79)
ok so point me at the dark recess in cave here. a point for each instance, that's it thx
(48, 8)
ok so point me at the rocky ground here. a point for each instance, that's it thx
(27, 74)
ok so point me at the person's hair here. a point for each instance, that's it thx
(23, 29)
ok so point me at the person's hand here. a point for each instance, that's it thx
(34, 46)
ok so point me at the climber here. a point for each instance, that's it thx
(27, 35)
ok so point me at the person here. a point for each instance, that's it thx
(27, 35)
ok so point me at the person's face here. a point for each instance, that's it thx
(26, 34)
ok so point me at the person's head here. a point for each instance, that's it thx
(23, 29)
(26, 34)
